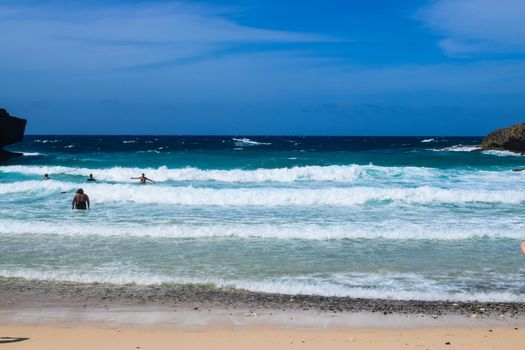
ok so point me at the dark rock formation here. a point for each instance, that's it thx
(11, 131)
(508, 139)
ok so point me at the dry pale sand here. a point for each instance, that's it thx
(78, 337)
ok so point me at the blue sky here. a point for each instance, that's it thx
(377, 67)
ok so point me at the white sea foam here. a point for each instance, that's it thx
(46, 141)
(460, 148)
(302, 231)
(129, 141)
(31, 154)
(307, 173)
(428, 140)
(502, 153)
(332, 173)
(393, 286)
(333, 196)
(247, 142)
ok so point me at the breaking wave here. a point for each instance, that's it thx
(463, 148)
(247, 142)
(331, 173)
(46, 141)
(271, 231)
(392, 286)
(502, 153)
(459, 148)
(337, 173)
(334, 196)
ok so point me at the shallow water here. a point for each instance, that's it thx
(365, 217)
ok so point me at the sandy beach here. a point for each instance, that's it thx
(93, 337)
(262, 175)
(43, 315)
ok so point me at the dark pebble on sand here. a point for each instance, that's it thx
(447, 343)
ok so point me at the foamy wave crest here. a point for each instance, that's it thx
(393, 286)
(502, 153)
(274, 231)
(47, 186)
(336, 173)
(187, 195)
(47, 141)
(460, 148)
(428, 140)
(31, 154)
(331, 173)
(247, 142)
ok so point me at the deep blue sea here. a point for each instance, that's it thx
(427, 218)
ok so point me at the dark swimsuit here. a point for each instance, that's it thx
(80, 205)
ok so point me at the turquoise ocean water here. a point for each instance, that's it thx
(428, 218)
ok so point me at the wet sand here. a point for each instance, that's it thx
(60, 315)
(17, 291)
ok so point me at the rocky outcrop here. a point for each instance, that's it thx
(508, 139)
(11, 131)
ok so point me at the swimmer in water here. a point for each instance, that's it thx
(46, 177)
(142, 179)
(91, 178)
(80, 200)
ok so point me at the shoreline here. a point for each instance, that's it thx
(33, 300)
(161, 327)
(63, 315)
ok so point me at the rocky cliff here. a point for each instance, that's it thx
(11, 131)
(508, 139)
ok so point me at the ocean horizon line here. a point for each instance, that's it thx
(258, 135)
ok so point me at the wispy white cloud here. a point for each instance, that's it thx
(105, 37)
(477, 26)
(206, 67)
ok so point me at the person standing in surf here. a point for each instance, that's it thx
(80, 200)
(142, 179)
